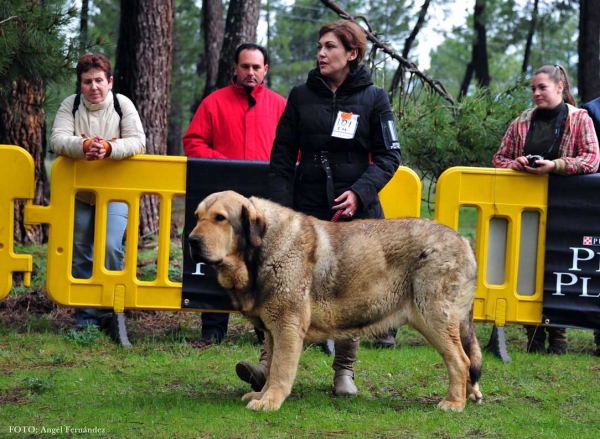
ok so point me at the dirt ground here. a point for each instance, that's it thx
(35, 310)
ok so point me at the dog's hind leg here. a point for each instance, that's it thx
(282, 368)
(471, 347)
(444, 336)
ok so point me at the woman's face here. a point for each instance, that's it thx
(546, 94)
(95, 85)
(333, 57)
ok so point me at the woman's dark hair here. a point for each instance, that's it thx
(251, 46)
(557, 73)
(352, 37)
(93, 61)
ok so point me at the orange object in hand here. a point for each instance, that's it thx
(107, 146)
(86, 145)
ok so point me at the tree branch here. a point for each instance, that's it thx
(8, 19)
(408, 65)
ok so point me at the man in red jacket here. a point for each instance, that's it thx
(237, 122)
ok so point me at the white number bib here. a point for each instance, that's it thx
(345, 125)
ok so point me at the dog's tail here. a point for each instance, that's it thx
(471, 347)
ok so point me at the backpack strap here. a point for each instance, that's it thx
(76, 103)
(116, 104)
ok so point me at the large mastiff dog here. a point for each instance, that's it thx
(300, 279)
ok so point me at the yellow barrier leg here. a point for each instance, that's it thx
(497, 343)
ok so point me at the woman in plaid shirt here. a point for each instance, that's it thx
(571, 148)
(564, 139)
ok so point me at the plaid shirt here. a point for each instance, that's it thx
(578, 152)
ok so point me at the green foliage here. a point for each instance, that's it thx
(187, 85)
(37, 385)
(38, 277)
(103, 27)
(436, 136)
(293, 44)
(34, 44)
(86, 336)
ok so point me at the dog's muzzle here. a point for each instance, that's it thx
(197, 251)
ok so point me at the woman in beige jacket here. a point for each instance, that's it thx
(97, 125)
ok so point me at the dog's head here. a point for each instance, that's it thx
(228, 225)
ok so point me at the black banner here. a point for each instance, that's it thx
(572, 265)
(204, 177)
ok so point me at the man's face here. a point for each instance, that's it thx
(251, 68)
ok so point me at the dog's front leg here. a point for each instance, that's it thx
(283, 361)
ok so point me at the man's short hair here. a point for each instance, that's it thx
(251, 46)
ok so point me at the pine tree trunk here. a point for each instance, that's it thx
(213, 32)
(530, 33)
(589, 50)
(143, 73)
(22, 123)
(240, 27)
(174, 143)
(478, 66)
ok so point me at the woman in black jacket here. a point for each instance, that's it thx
(341, 128)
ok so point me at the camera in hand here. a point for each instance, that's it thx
(531, 160)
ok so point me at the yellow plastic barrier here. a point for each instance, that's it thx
(510, 238)
(17, 182)
(402, 195)
(127, 181)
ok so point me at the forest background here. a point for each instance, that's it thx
(169, 54)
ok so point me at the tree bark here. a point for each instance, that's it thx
(22, 123)
(83, 34)
(214, 32)
(589, 50)
(174, 142)
(530, 33)
(240, 27)
(479, 59)
(143, 73)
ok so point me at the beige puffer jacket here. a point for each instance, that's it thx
(126, 136)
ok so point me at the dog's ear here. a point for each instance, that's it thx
(253, 223)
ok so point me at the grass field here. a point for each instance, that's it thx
(164, 388)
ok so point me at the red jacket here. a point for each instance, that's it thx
(224, 127)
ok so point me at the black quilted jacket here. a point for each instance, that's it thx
(362, 164)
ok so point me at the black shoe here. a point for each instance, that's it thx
(328, 347)
(557, 348)
(206, 341)
(534, 346)
(255, 375)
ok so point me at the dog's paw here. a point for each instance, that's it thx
(454, 406)
(474, 394)
(477, 397)
(263, 404)
(252, 396)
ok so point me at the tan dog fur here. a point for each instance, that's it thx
(300, 279)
